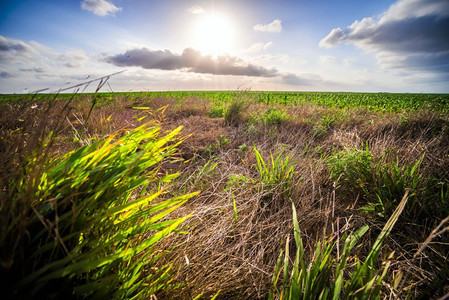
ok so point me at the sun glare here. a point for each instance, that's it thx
(214, 34)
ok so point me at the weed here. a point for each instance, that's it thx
(252, 129)
(380, 183)
(271, 116)
(322, 126)
(215, 148)
(352, 167)
(274, 116)
(276, 175)
(236, 181)
(216, 112)
(243, 148)
(233, 113)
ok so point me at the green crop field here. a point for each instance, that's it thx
(381, 102)
(384, 102)
(225, 194)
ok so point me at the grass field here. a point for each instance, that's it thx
(233, 195)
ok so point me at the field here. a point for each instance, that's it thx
(232, 195)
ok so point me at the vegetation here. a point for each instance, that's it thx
(87, 222)
(99, 198)
(381, 102)
(323, 278)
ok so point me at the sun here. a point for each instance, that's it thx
(214, 34)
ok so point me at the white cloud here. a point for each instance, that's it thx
(196, 10)
(348, 62)
(327, 59)
(35, 63)
(101, 8)
(275, 26)
(257, 47)
(73, 59)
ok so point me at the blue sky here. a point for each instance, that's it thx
(373, 46)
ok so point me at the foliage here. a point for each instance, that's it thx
(332, 276)
(87, 222)
(242, 212)
(216, 111)
(321, 127)
(352, 167)
(213, 149)
(381, 183)
(382, 102)
(233, 113)
(276, 175)
(274, 116)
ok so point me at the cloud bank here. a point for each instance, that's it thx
(411, 34)
(190, 60)
(275, 26)
(18, 57)
(101, 8)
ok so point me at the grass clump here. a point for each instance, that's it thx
(331, 274)
(275, 175)
(381, 182)
(273, 116)
(216, 111)
(85, 224)
(234, 112)
(323, 125)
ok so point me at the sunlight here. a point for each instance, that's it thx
(214, 34)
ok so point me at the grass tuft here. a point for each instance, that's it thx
(331, 276)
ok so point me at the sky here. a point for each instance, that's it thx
(282, 45)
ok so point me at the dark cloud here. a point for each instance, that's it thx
(306, 79)
(35, 69)
(147, 59)
(7, 44)
(190, 60)
(438, 62)
(413, 35)
(410, 34)
(10, 48)
(5, 74)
